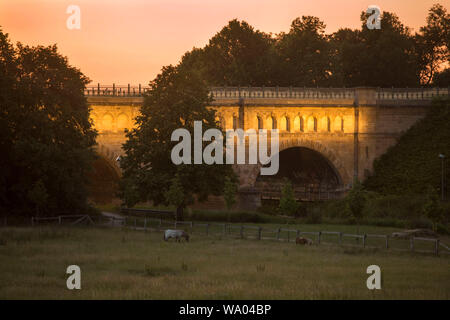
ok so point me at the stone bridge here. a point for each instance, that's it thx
(328, 136)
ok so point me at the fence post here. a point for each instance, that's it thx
(207, 229)
(387, 241)
(340, 238)
(242, 232)
(364, 240)
(318, 237)
(259, 233)
(411, 242)
(160, 223)
(135, 225)
(298, 234)
(288, 236)
(278, 233)
(192, 225)
(224, 228)
(175, 224)
(145, 224)
(437, 247)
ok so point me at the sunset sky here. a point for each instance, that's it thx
(128, 41)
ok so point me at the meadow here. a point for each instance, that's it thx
(118, 263)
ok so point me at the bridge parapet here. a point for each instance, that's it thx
(285, 95)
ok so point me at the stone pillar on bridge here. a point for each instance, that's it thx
(364, 97)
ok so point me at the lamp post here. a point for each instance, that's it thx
(442, 177)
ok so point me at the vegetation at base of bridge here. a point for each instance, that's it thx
(413, 164)
(120, 263)
(401, 212)
(407, 180)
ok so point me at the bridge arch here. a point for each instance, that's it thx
(329, 154)
(110, 158)
(249, 176)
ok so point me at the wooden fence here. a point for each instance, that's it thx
(379, 241)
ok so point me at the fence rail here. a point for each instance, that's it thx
(224, 93)
(413, 244)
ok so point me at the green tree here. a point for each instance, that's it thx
(432, 208)
(237, 55)
(46, 135)
(433, 43)
(442, 79)
(177, 97)
(356, 200)
(229, 192)
(304, 52)
(38, 195)
(288, 205)
(176, 196)
(380, 57)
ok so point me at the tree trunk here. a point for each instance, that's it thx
(180, 213)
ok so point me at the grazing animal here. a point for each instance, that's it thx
(177, 234)
(304, 241)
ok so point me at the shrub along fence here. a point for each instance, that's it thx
(413, 244)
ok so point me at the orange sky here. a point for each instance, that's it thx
(128, 41)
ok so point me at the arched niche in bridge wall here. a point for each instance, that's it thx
(123, 122)
(270, 123)
(284, 124)
(107, 121)
(311, 124)
(298, 124)
(325, 124)
(338, 124)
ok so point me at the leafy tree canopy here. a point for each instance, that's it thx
(46, 136)
(176, 99)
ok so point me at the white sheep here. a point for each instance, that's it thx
(177, 234)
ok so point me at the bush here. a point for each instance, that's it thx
(314, 216)
(239, 216)
(288, 204)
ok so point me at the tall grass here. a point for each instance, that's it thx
(125, 264)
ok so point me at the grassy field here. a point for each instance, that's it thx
(126, 264)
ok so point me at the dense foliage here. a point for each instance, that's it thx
(288, 204)
(176, 99)
(46, 137)
(413, 164)
(306, 56)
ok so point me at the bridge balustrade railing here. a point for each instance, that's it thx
(223, 93)
(115, 90)
(220, 93)
(410, 93)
